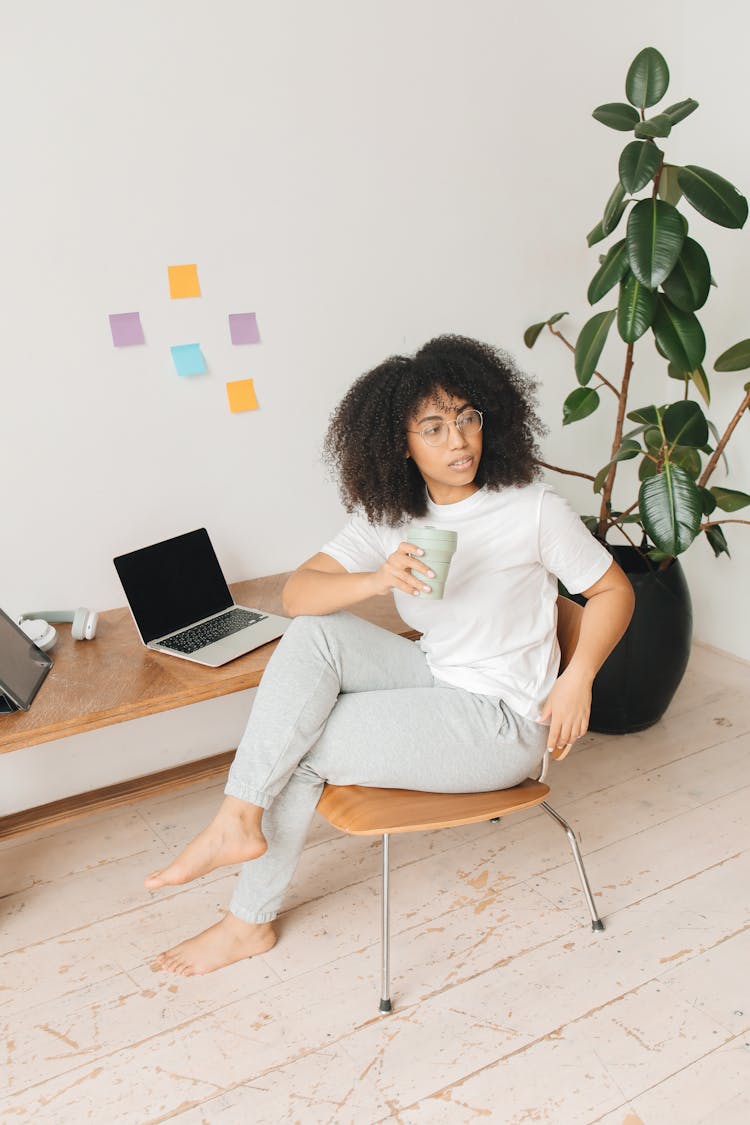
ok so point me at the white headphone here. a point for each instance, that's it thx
(37, 626)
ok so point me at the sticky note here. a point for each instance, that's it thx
(188, 359)
(241, 395)
(183, 281)
(126, 329)
(243, 328)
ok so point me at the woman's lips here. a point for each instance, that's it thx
(461, 464)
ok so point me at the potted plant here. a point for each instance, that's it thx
(657, 276)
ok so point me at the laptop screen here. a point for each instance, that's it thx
(22, 665)
(173, 584)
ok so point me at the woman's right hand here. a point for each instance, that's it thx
(395, 573)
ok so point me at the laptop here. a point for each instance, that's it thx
(182, 606)
(23, 667)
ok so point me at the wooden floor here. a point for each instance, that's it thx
(508, 1008)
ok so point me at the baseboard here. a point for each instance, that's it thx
(723, 652)
(110, 796)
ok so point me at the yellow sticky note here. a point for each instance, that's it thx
(183, 281)
(241, 395)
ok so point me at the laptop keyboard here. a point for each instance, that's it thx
(190, 640)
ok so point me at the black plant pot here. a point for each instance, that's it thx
(636, 683)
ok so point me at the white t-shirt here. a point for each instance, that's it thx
(494, 630)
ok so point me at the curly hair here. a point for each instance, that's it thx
(365, 444)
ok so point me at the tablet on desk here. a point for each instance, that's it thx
(23, 667)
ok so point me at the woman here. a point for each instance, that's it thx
(445, 438)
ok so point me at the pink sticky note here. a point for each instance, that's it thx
(126, 329)
(243, 328)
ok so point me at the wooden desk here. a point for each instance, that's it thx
(115, 678)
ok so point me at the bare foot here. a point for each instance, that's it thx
(233, 836)
(228, 941)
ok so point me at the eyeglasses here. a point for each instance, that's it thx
(469, 422)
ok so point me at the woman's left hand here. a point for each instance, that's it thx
(567, 710)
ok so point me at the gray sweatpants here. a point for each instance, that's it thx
(344, 701)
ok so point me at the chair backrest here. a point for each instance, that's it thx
(569, 614)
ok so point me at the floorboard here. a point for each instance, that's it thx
(507, 1007)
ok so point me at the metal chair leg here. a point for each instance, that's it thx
(596, 922)
(385, 938)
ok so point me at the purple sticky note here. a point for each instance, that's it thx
(126, 329)
(243, 328)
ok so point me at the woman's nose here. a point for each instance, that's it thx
(456, 437)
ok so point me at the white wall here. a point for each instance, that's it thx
(362, 176)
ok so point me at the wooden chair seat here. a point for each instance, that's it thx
(362, 811)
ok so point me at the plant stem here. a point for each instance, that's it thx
(723, 441)
(657, 177)
(616, 519)
(601, 530)
(624, 532)
(570, 347)
(567, 472)
(718, 523)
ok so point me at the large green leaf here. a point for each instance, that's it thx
(688, 459)
(635, 309)
(718, 541)
(591, 340)
(701, 382)
(579, 404)
(670, 507)
(647, 78)
(648, 415)
(655, 236)
(638, 163)
(708, 502)
(626, 452)
(680, 110)
(601, 476)
(736, 358)
(713, 196)
(596, 234)
(685, 424)
(646, 469)
(531, 334)
(611, 270)
(659, 126)
(613, 209)
(658, 556)
(679, 335)
(689, 283)
(653, 438)
(669, 188)
(617, 115)
(728, 499)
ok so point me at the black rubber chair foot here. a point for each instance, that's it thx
(597, 925)
(386, 1006)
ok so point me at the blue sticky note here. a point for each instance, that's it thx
(188, 359)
